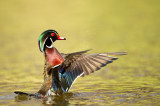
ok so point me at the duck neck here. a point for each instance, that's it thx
(53, 57)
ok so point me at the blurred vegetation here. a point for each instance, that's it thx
(102, 25)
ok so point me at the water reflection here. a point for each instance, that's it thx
(58, 100)
(104, 96)
(20, 98)
(50, 100)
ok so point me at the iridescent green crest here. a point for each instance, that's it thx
(42, 39)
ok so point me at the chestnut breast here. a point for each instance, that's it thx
(53, 56)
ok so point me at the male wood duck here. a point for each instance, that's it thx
(61, 70)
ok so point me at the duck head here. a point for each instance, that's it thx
(47, 38)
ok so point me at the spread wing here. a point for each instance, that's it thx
(80, 64)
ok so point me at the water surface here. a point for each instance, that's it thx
(103, 26)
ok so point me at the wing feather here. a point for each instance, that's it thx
(79, 64)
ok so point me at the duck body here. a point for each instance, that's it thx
(70, 67)
(52, 59)
(61, 70)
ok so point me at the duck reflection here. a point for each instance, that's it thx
(50, 100)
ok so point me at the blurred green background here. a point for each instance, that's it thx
(100, 25)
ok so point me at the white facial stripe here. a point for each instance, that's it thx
(44, 42)
(47, 45)
(51, 40)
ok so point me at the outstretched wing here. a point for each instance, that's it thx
(80, 64)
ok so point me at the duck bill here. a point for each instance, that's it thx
(60, 38)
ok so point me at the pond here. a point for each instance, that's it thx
(103, 26)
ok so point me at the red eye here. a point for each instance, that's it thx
(52, 34)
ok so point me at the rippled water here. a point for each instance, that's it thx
(93, 95)
(104, 25)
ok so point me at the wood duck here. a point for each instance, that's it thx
(61, 70)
